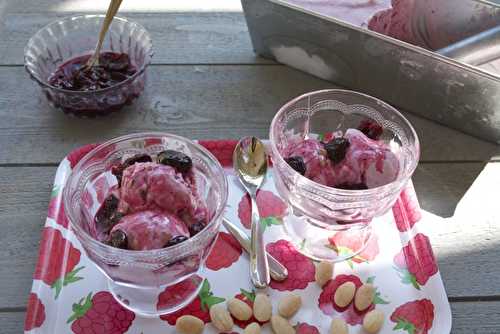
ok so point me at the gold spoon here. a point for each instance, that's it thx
(114, 5)
(250, 163)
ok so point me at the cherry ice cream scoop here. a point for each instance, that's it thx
(351, 160)
(154, 205)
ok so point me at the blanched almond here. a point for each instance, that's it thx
(253, 328)
(281, 326)
(373, 321)
(344, 294)
(221, 318)
(364, 297)
(262, 307)
(339, 326)
(188, 324)
(239, 309)
(289, 305)
(324, 272)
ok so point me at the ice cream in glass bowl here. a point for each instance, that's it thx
(147, 208)
(341, 158)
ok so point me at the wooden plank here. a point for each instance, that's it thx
(22, 215)
(178, 38)
(12, 322)
(193, 101)
(453, 183)
(83, 6)
(476, 317)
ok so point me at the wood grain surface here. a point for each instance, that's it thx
(197, 101)
(206, 82)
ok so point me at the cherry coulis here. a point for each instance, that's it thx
(112, 69)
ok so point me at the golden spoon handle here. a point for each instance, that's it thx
(114, 5)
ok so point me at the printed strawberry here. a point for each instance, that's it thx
(221, 149)
(56, 207)
(35, 313)
(303, 328)
(301, 269)
(57, 259)
(414, 317)
(226, 251)
(347, 242)
(416, 263)
(199, 307)
(101, 187)
(79, 153)
(271, 209)
(100, 314)
(406, 211)
(248, 297)
(325, 300)
(176, 293)
(350, 314)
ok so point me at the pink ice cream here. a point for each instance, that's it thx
(357, 12)
(153, 186)
(366, 162)
(432, 24)
(150, 229)
(155, 205)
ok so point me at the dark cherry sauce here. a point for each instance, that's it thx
(113, 68)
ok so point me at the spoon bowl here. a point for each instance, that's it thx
(250, 162)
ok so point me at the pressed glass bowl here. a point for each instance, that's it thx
(136, 278)
(319, 211)
(76, 36)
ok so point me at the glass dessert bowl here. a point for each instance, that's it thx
(55, 54)
(341, 158)
(116, 202)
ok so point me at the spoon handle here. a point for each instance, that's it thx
(114, 5)
(259, 267)
(277, 271)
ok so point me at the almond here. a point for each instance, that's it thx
(188, 324)
(253, 328)
(373, 321)
(289, 305)
(364, 297)
(221, 318)
(324, 272)
(339, 326)
(344, 294)
(239, 309)
(262, 307)
(281, 326)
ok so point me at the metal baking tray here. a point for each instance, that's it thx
(417, 80)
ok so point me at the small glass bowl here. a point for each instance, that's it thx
(77, 36)
(318, 211)
(138, 278)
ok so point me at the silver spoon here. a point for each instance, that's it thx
(110, 14)
(277, 271)
(250, 163)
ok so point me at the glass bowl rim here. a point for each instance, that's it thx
(42, 82)
(345, 192)
(161, 252)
